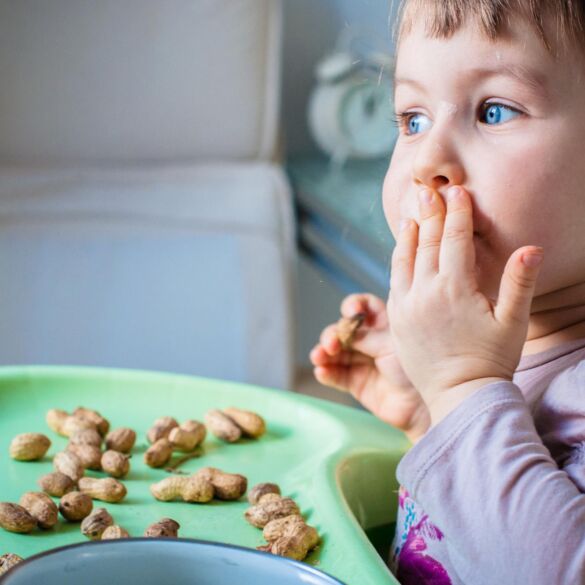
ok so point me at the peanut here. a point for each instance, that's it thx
(194, 426)
(75, 506)
(94, 525)
(260, 490)
(227, 486)
(164, 528)
(66, 424)
(41, 508)
(161, 428)
(121, 440)
(281, 526)
(296, 539)
(347, 328)
(188, 436)
(72, 425)
(102, 424)
(114, 532)
(86, 437)
(15, 518)
(223, 426)
(107, 490)
(89, 455)
(252, 424)
(270, 507)
(69, 464)
(56, 484)
(56, 419)
(158, 453)
(8, 561)
(29, 447)
(189, 489)
(115, 464)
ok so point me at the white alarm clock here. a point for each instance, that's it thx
(351, 110)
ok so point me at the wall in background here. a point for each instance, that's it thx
(311, 28)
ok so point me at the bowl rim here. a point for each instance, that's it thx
(275, 558)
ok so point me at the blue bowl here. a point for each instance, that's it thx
(161, 561)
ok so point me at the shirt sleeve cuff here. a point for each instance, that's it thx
(440, 439)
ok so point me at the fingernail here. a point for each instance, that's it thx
(453, 193)
(404, 223)
(426, 196)
(532, 260)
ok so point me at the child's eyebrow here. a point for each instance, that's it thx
(535, 81)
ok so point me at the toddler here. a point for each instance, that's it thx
(478, 355)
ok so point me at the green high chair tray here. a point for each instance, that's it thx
(338, 463)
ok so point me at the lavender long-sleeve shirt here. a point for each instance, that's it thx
(493, 494)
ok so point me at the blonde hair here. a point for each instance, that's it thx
(442, 18)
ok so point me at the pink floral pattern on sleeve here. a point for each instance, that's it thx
(413, 566)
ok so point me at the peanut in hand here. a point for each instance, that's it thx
(347, 328)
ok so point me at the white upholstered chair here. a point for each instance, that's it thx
(144, 222)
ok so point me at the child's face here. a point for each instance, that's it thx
(525, 171)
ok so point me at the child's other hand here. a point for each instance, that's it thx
(369, 368)
(450, 337)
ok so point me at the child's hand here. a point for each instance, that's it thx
(449, 337)
(369, 368)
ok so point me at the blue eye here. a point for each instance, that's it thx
(414, 123)
(493, 114)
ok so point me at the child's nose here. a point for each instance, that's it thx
(437, 166)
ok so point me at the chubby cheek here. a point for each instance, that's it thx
(396, 186)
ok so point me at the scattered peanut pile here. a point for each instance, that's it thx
(88, 431)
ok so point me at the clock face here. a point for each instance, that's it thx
(366, 118)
